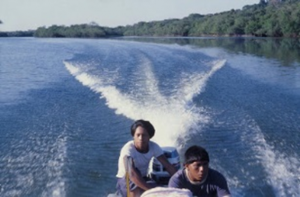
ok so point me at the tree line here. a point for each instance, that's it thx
(17, 34)
(268, 18)
(78, 31)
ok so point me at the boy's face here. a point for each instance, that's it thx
(198, 170)
(141, 139)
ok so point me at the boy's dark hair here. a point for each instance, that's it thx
(195, 153)
(145, 124)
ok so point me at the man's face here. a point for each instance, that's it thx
(197, 171)
(141, 139)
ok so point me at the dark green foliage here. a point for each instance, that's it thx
(78, 31)
(267, 18)
(17, 34)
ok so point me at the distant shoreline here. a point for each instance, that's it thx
(265, 19)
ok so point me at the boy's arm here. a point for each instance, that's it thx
(169, 167)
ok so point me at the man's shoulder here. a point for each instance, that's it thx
(154, 146)
(128, 146)
(218, 179)
(178, 179)
(151, 143)
(179, 174)
(215, 172)
(216, 176)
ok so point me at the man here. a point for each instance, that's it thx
(198, 177)
(139, 152)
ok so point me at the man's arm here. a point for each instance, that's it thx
(164, 161)
(134, 175)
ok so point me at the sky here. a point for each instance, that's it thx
(30, 14)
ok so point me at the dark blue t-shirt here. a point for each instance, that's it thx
(214, 185)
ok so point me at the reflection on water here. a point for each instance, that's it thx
(285, 50)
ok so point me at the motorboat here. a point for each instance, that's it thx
(156, 170)
(159, 174)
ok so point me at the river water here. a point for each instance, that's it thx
(66, 107)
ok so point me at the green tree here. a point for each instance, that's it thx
(266, 18)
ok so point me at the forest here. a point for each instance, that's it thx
(272, 18)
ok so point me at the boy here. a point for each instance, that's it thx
(198, 177)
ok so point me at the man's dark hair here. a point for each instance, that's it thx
(145, 124)
(195, 153)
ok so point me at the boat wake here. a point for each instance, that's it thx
(173, 115)
(141, 91)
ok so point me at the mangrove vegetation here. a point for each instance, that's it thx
(267, 18)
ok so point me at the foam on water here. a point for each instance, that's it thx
(56, 184)
(173, 116)
(26, 169)
(282, 170)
